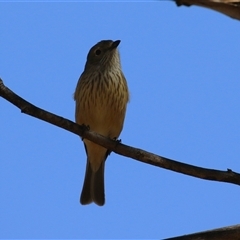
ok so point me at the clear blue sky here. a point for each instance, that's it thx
(182, 68)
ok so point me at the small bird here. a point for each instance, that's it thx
(101, 99)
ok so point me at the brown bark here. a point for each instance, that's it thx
(225, 233)
(115, 146)
(230, 8)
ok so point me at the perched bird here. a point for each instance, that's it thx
(101, 99)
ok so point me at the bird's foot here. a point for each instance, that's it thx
(117, 140)
(85, 128)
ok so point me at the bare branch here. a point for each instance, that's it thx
(230, 8)
(225, 233)
(135, 153)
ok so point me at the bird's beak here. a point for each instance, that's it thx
(115, 44)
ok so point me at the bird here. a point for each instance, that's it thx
(101, 97)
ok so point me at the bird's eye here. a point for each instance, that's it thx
(98, 52)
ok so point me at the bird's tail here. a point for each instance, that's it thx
(93, 186)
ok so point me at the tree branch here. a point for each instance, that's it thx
(231, 232)
(127, 151)
(230, 8)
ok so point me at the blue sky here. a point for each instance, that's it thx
(182, 68)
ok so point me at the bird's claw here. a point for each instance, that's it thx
(117, 141)
(85, 127)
